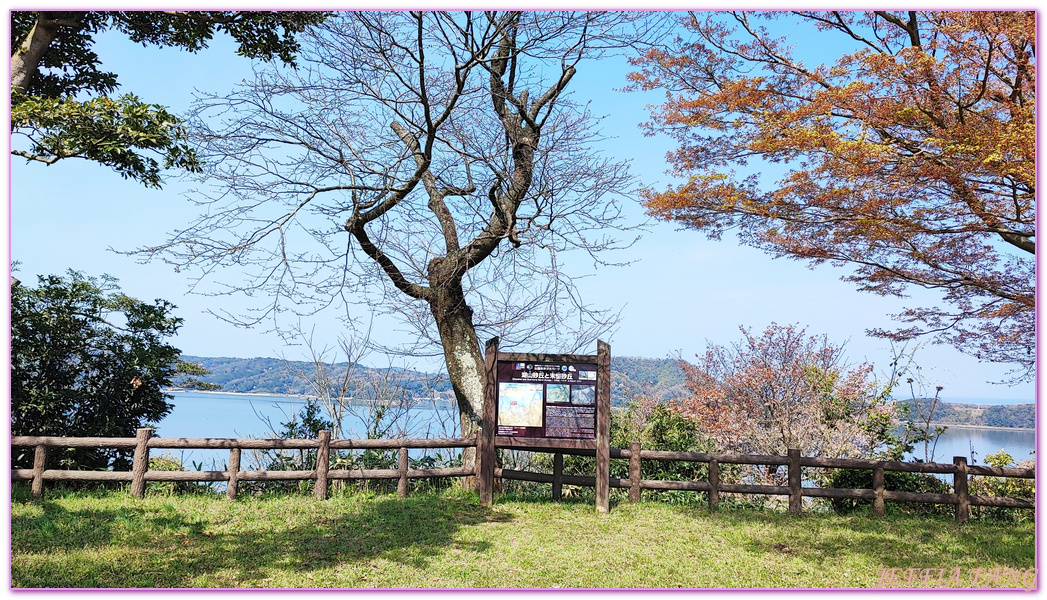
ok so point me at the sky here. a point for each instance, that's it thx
(681, 291)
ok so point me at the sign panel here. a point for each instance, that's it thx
(547, 399)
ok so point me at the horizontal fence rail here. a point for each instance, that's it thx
(322, 474)
(140, 474)
(959, 469)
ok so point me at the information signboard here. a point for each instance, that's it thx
(546, 402)
(546, 399)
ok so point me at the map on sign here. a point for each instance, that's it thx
(554, 399)
(558, 394)
(520, 404)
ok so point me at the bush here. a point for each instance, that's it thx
(307, 423)
(435, 461)
(1008, 487)
(168, 462)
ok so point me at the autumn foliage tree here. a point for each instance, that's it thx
(908, 155)
(784, 389)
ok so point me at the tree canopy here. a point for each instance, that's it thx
(61, 97)
(88, 360)
(907, 155)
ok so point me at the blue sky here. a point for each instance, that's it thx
(681, 291)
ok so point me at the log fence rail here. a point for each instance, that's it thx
(322, 474)
(959, 469)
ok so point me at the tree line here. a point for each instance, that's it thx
(663, 379)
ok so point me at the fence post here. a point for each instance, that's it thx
(714, 484)
(323, 463)
(959, 486)
(603, 427)
(39, 462)
(234, 474)
(878, 507)
(485, 455)
(634, 471)
(141, 462)
(401, 466)
(558, 476)
(795, 482)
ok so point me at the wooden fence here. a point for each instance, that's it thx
(143, 442)
(794, 489)
(322, 474)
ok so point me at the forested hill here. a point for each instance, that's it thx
(285, 377)
(974, 415)
(630, 377)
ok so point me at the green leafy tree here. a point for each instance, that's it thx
(61, 99)
(190, 374)
(87, 360)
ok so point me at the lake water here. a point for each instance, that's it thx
(218, 415)
(963, 441)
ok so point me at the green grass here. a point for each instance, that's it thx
(446, 540)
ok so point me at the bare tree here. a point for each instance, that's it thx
(429, 163)
(381, 399)
(375, 403)
(330, 383)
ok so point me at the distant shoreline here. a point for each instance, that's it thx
(261, 394)
(1033, 429)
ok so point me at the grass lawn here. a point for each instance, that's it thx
(446, 540)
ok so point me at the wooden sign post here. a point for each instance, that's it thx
(485, 453)
(543, 402)
(603, 427)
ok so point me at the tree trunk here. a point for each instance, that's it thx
(465, 364)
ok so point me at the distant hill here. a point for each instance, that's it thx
(630, 377)
(276, 376)
(660, 378)
(975, 415)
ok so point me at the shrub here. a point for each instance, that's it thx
(1008, 487)
(896, 481)
(656, 426)
(168, 462)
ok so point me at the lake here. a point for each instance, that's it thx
(221, 415)
(979, 441)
